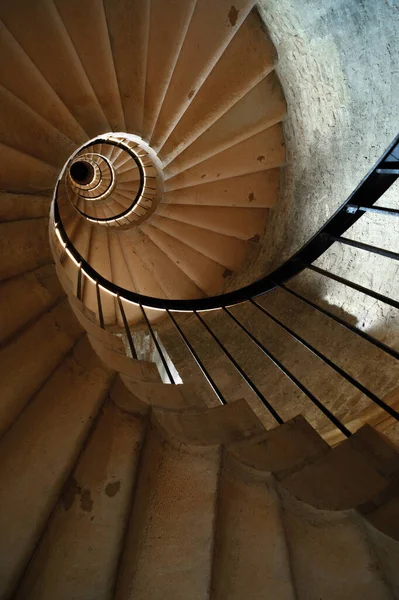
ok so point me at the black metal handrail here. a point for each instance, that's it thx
(361, 201)
(371, 188)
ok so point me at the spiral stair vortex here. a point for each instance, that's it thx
(142, 142)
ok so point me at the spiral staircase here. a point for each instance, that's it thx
(141, 150)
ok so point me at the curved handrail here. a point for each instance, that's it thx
(370, 189)
(132, 155)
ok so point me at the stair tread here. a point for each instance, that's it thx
(261, 108)
(60, 416)
(89, 30)
(128, 22)
(91, 516)
(247, 59)
(253, 190)
(262, 151)
(206, 273)
(197, 57)
(79, 98)
(226, 250)
(242, 223)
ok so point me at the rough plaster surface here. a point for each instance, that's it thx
(339, 68)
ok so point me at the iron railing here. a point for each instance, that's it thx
(361, 201)
(145, 185)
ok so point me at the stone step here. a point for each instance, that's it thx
(169, 541)
(225, 250)
(23, 129)
(128, 25)
(204, 272)
(198, 56)
(29, 359)
(27, 83)
(79, 98)
(248, 58)
(41, 449)
(251, 558)
(331, 555)
(167, 30)
(88, 30)
(265, 150)
(84, 535)
(23, 246)
(24, 298)
(261, 108)
(21, 172)
(242, 223)
(257, 190)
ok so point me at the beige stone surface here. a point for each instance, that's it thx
(331, 557)
(160, 515)
(248, 58)
(207, 274)
(243, 223)
(204, 426)
(225, 250)
(22, 300)
(170, 536)
(173, 282)
(255, 189)
(341, 110)
(78, 555)
(261, 108)
(338, 480)
(159, 394)
(23, 246)
(197, 57)
(167, 29)
(264, 150)
(251, 557)
(15, 207)
(79, 97)
(38, 455)
(20, 172)
(282, 449)
(139, 370)
(387, 555)
(88, 29)
(21, 77)
(28, 360)
(23, 129)
(128, 23)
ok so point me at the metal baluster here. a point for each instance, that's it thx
(198, 360)
(379, 210)
(355, 286)
(367, 247)
(337, 319)
(79, 283)
(330, 363)
(158, 347)
(99, 307)
(292, 377)
(127, 328)
(253, 387)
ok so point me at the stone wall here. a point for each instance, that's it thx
(339, 68)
